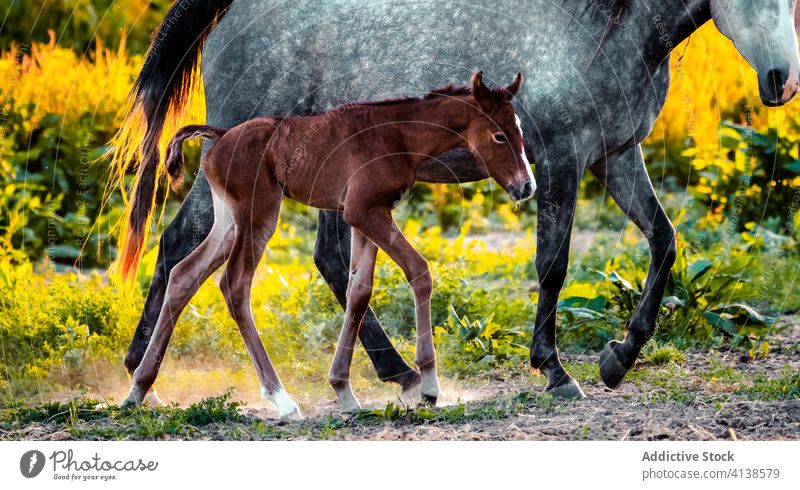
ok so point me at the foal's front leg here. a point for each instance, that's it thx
(378, 225)
(359, 292)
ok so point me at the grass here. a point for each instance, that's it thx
(717, 382)
(659, 355)
(85, 418)
(495, 409)
(222, 418)
(584, 372)
(784, 387)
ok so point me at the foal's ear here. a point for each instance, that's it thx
(513, 89)
(480, 91)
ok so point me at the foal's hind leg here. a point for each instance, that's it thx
(332, 258)
(626, 179)
(250, 242)
(185, 279)
(359, 292)
(378, 225)
(185, 233)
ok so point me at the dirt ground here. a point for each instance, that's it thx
(706, 396)
(701, 409)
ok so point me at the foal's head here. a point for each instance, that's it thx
(495, 138)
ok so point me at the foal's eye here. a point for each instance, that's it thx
(500, 137)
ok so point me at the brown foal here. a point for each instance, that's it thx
(360, 159)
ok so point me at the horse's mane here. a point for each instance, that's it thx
(618, 8)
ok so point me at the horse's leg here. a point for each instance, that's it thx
(556, 198)
(189, 228)
(332, 257)
(185, 280)
(253, 231)
(378, 225)
(359, 292)
(626, 179)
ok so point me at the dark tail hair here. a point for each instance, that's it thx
(174, 160)
(162, 89)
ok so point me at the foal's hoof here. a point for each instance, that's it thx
(152, 399)
(293, 416)
(612, 368)
(351, 408)
(129, 403)
(568, 390)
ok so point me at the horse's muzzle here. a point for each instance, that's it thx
(779, 88)
(522, 191)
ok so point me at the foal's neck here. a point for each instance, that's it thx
(430, 127)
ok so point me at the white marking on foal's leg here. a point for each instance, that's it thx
(135, 396)
(430, 383)
(287, 408)
(347, 399)
(152, 399)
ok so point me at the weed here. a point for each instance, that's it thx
(658, 355)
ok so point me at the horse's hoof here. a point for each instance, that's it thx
(428, 400)
(569, 390)
(409, 382)
(612, 369)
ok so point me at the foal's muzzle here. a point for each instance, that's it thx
(521, 191)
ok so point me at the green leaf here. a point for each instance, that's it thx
(597, 304)
(673, 300)
(620, 282)
(720, 322)
(64, 251)
(793, 166)
(698, 268)
(742, 314)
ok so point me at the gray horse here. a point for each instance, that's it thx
(598, 74)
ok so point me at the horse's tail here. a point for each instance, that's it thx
(160, 93)
(174, 159)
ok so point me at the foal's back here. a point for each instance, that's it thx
(238, 161)
(314, 159)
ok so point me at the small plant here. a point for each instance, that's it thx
(704, 303)
(713, 290)
(215, 409)
(784, 387)
(658, 355)
(473, 345)
(496, 409)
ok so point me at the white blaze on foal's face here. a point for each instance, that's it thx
(523, 156)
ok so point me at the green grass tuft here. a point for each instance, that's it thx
(659, 355)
